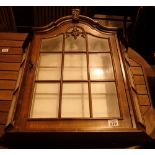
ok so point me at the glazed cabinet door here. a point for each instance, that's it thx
(76, 82)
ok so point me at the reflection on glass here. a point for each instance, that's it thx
(97, 73)
(52, 44)
(104, 100)
(72, 44)
(75, 100)
(101, 67)
(75, 67)
(45, 101)
(96, 44)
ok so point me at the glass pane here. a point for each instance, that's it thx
(50, 60)
(75, 74)
(75, 100)
(48, 88)
(104, 100)
(78, 44)
(75, 67)
(101, 67)
(49, 67)
(45, 101)
(96, 44)
(52, 44)
(48, 74)
(45, 106)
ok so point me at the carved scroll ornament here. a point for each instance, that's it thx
(76, 32)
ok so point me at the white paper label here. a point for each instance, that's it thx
(113, 123)
(5, 50)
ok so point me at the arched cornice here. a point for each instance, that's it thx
(74, 18)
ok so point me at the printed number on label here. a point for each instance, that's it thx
(4, 50)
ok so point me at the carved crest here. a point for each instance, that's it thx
(75, 14)
(76, 32)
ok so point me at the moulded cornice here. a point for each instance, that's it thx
(66, 19)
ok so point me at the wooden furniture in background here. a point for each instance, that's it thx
(12, 58)
(7, 20)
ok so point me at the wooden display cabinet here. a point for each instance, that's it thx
(79, 87)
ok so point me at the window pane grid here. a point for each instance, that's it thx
(50, 52)
(80, 52)
(80, 106)
(46, 95)
(61, 82)
(105, 101)
(75, 67)
(97, 44)
(77, 44)
(52, 44)
(89, 85)
(80, 63)
(75, 52)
